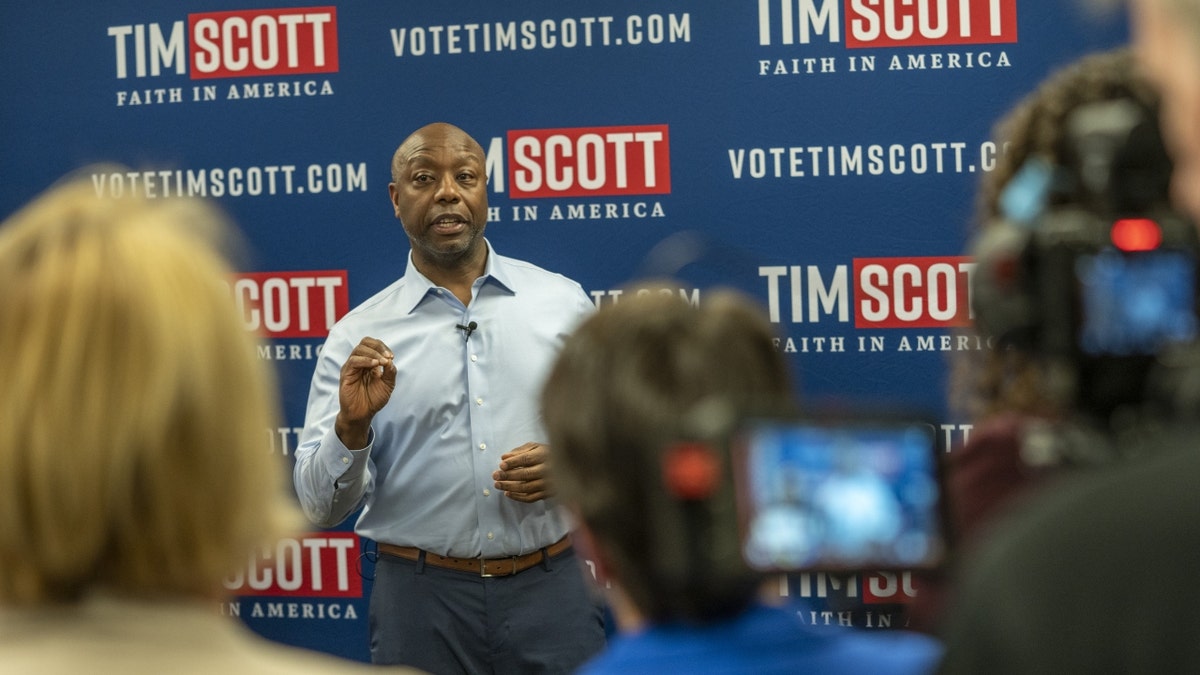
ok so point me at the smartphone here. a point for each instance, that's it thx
(839, 494)
(1135, 305)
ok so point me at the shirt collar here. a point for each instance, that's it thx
(417, 286)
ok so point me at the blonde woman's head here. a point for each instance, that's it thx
(134, 409)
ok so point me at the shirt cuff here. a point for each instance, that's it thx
(342, 463)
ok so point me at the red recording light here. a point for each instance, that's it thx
(1136, 234)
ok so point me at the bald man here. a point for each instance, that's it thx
(423, 411)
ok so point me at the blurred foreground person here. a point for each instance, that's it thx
(133, 472)
(1022, 404)
(629, 397)
(1096, 575)
(1167, 42)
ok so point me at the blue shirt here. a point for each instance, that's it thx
(425, 477)
(765, 641)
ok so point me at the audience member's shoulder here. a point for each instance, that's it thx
(891, 652)
(149, 637)
(989, 473)
(1154, 491)
(1097, 549)
(837, 650)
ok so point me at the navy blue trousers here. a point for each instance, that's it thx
(545, 619)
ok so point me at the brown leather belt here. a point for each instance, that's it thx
(484, 567)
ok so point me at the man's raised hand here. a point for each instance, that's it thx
(367, 380)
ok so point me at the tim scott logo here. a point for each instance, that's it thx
(887, 23)
(239, 43)
(590, 161)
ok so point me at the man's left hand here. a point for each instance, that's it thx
(522, 475)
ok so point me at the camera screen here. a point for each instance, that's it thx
(839, 496)
(1135, 304)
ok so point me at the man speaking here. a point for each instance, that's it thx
(423, 411)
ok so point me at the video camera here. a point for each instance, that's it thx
(827, 490)
(839, 493)
(1091, 270)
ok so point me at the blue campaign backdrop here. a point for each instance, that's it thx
(821, 155)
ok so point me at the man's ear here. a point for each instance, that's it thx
(394, 195)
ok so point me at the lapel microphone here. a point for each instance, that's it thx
(467, 329)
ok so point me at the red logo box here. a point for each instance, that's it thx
(589, 161)
(255, 42)
(320, 565)
(928, 292)
(919, 23)
(292, 304)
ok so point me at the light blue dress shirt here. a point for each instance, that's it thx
(425, 477)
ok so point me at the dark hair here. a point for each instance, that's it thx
(628, 385)
(998, 380)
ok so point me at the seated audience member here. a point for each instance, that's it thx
(1007, 390)
(133, 472)
(1011, 391)
(622, 404)
(1096, 576)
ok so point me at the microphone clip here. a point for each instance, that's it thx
(467, 329)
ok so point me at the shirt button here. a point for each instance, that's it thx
(479, 401)
(483, 446)
(487, 493)
(474, 358)
(345, 460)
(491, 536)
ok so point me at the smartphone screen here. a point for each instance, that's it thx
(1135, 305)
(847, 495)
